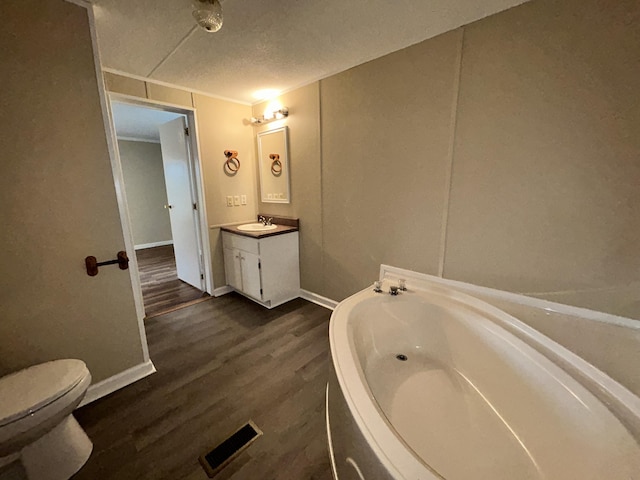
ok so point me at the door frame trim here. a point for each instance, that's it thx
(195, 161)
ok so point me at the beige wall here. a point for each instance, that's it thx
(125, 85)
(222, 125)
(385, 154)
(305, 177)
(59, 201)
(146, 191)
(545, 196)
(504, 154)
(170, 95)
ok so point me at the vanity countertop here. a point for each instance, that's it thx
(279, 230)
(284, 225)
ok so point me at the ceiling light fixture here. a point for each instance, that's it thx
(208, 14)
(271, 116)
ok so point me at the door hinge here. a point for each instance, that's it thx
(259, 264)
(195, 207)
(202, 276)
(186, 131)
(260, 291)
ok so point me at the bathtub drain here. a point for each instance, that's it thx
(402, 357)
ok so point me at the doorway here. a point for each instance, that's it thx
(157, 152)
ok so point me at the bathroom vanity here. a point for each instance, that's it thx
(263, 265)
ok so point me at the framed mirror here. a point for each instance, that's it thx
(273, 161)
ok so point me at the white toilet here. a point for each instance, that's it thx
(39, 438)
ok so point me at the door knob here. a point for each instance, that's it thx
(168, 206)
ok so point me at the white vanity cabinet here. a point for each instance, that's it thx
(266, 270)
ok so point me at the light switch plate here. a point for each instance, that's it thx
(236, 200)
(243, 199)
(229, 201)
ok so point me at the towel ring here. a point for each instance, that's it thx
(276, 165)
(232, 163)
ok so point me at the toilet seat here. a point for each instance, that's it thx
(24, 392)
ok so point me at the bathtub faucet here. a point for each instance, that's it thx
(402, 287)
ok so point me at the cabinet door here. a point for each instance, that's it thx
(251, 284)
(232, 267)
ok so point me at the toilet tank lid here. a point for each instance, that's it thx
(30, 389)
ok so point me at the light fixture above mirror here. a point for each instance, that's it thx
(270, 116)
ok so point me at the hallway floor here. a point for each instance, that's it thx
(220, 363)
(162, 291)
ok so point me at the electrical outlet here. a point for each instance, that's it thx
(229, 201)
(236, 200)
(243, 199)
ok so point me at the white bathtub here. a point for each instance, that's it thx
(472, 400)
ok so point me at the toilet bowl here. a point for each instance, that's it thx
(39, 438)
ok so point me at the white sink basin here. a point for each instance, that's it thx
(256, 227)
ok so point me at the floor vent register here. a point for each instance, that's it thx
(223, 454)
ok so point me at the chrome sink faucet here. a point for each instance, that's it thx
(265, 221)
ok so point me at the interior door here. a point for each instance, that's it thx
(175, 159)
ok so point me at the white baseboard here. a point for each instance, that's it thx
(118, 381)
(307, 295)
(153, 244)
(218, 292)
(318, 299)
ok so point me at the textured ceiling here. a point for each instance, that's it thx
(277, 45)
(139, 123)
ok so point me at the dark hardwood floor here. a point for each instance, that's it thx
(161, 289)
(220, 363)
